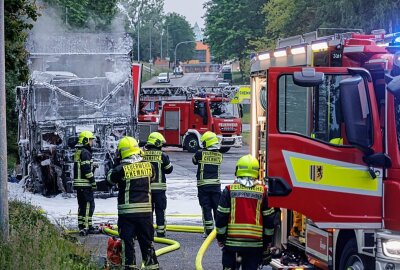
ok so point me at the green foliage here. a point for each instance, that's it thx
(92, 14)
(232, 26)
(180, 30)
(17, 17)
(36, 244)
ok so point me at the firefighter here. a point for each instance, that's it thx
(162, 166)
(245, 224)
(208, 161)
(133, 176)
(84, 182)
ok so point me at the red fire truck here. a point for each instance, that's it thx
(326, 128)
(183, 114)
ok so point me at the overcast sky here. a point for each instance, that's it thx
(191, 9)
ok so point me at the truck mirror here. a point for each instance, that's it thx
(278, 187)
(307, 77)
(378, 160)
(356, 112)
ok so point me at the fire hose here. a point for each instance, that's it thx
(173, 245)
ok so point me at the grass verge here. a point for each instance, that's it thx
(35, 243)
(246, 137)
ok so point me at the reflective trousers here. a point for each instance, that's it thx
(159, 204)
(85, 208)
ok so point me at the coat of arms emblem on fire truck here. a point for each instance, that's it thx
(316, 172)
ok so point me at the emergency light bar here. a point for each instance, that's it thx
(319, 45)
(299, 49)
(264, 56)
(280, 53)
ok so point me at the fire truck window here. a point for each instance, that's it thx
(313, 112)
(200, 108)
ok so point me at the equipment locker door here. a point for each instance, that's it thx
(308, 149)
(171, 125)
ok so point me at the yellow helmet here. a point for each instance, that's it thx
(85, 136)
(128, 146)
(247, 166)
(208, 139)
(156, 139)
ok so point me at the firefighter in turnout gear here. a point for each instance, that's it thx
(135, 219)
(245, 224)
(162, 166)
(209, 161)
(84, 182)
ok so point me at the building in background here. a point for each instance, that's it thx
(202, 58)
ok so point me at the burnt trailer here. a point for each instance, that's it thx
(66, 94)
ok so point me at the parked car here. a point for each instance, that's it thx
(163, 78)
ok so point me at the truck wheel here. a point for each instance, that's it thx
(224, 149)
(350, 259)
(191, 143)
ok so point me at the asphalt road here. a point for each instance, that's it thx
(184, 257)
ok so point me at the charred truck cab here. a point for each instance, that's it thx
(326, 128)
(68, 92)
(183, 114)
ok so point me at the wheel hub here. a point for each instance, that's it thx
(355, 263)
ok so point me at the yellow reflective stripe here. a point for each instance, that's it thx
(268, 212)
(127, 190)
(89, 175)
(246, 226)
(233, 210)
(168, 166)
(239, 243)
(86, 162)
(314, 172)
(223, 209)
(158, 186)
(221, 230)
(269, 231)
(208, 182)
(87, 215)
(258, 212)
(126, 206)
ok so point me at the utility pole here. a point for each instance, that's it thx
(3, 136)
(138, 40)
(176, 47)
(150, 41)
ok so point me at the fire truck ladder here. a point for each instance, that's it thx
(165, 93)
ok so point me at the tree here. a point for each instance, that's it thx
(79, 14)
(232, 26)
(18, 15)
(145, 18)
(179, 30)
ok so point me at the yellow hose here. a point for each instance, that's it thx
(173, 245)
(203, 249)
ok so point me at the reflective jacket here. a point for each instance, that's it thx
(162, 166)
(243, 218)
(209, 167)
(133, 179)
(83, 168)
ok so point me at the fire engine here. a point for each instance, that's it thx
(183, 114)
(326, 128)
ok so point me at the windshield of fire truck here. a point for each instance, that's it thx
(314, 112)
(224, 109)
(82, 99)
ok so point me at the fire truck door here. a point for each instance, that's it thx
(308, 149)
(171, 125)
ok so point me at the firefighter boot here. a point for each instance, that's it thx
(151, 261)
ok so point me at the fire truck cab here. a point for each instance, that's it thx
(182, 117)
(326, 128)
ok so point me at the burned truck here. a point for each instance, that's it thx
(69, 92)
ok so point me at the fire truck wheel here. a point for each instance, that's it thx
(350, 259)
(224, 149)
(191, 143)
